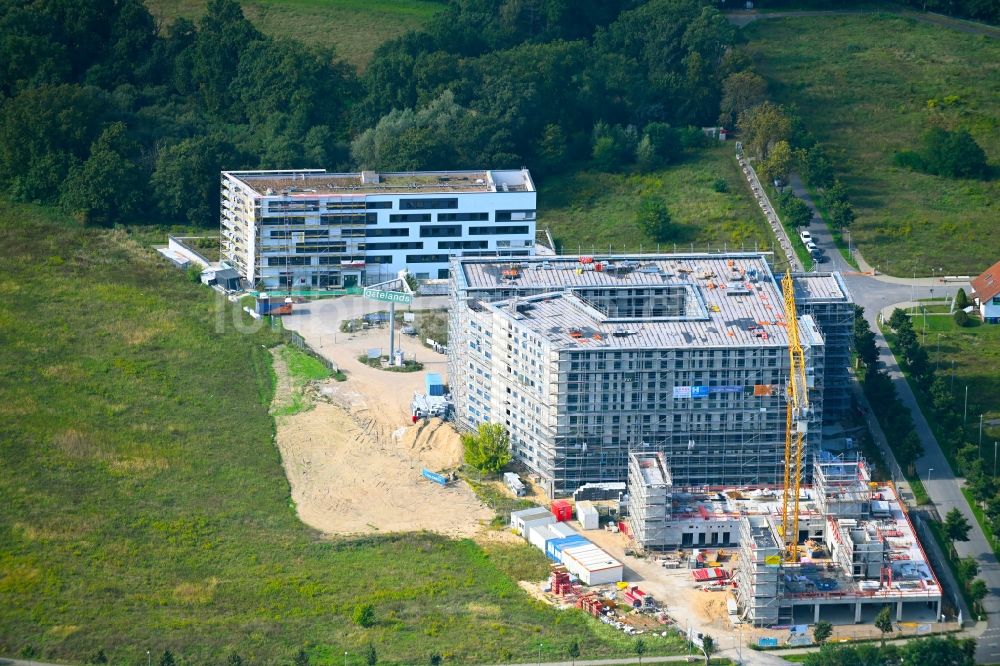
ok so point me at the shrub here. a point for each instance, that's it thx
(364, 615)
(961, 299)
(721, 185)
(961, 318)
(653, 219)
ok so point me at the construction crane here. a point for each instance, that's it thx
(796, 424)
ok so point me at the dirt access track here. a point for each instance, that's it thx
(354, 459)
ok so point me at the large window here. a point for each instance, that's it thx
(410, 217)
(381, 233)
(288, 261)
(425, 203)
(426, 258)
(416, 245)
(513, 215)
(347, 218)
(463, 245)
(463, 217)
(443, 231)
(378, 205)
(498, 230)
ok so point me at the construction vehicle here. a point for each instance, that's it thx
(796, 425)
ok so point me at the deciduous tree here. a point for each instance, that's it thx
(883, 622)
(488, 449)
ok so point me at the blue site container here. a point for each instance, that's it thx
(554, 547)
(434, 384)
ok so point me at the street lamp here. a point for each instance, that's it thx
(149, 659)
(929, 470)
(994, 460)
(539, 654)
(345, 657)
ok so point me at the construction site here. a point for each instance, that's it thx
(851, 547)
(586, 359)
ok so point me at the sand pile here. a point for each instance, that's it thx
(710, 606)
(345, 482)
(433, 442)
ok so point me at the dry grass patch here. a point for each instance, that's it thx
(196, 593)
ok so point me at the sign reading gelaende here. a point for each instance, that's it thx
(388, 296)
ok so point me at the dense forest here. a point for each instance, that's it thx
(115, 120)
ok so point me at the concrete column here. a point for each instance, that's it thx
(938, 614)
(899, 611)
(816, 615)
(857, 613)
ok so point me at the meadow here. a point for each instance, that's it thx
(354, 28)
(869, 86)
(589, 210)
(145, 506)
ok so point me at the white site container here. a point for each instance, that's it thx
(587, 514)
(518, 518)
(539, 534)
(592, 565)
(562, 529)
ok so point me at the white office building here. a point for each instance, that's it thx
(308, 228)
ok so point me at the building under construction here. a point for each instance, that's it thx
(825, 297)
(586, 359)
(856, 548)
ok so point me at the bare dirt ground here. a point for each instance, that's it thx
(349, 475)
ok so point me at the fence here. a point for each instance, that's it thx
(301, 343)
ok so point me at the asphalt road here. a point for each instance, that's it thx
(877, 294)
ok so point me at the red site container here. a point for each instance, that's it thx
(562, 510)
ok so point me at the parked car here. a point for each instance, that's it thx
(812, 247)
(805, 236)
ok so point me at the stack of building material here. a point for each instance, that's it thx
(634, 597)
(591, 604)
(587, 514)
(703, 575)
(560, 584)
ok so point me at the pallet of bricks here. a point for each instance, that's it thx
(560, 584)
(591, 604)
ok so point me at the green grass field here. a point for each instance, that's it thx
(868, 86)
(353, 27)
(968, 356)
(144, 503)
(588, 211)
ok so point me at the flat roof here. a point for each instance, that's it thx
(303, 183)
(820, 287)
(570, 323)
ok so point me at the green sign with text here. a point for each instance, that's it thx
(388, 296)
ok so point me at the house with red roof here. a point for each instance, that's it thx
(986, 292)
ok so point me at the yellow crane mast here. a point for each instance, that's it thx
(795, 423)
